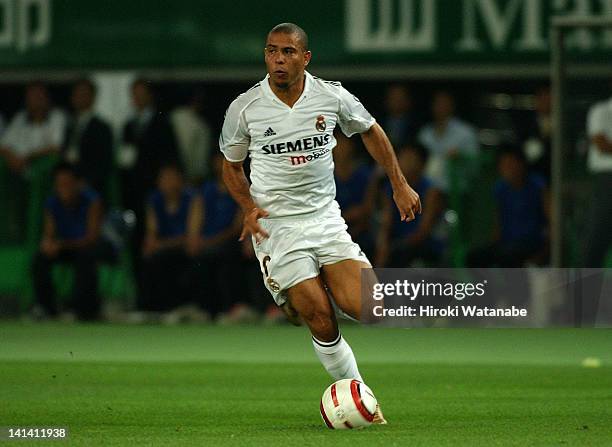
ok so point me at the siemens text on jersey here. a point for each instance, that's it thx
(303, 144)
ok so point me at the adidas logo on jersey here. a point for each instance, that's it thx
(269, 132)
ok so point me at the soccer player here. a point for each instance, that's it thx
(285, 125)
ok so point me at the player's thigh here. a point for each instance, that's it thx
(310, 301)
(344, 282)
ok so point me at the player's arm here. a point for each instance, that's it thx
(378, 145)
(237, 184)
(234, 143)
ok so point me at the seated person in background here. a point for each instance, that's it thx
(446, 137)
(212, 242)
(354, 191)
(400, 243)
(71, 234)
(522, 216)
(164, 258)
(34, 132)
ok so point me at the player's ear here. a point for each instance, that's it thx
(307, 57)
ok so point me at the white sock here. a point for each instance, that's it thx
(337, 358)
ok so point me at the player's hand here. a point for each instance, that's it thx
(251, 226)
(407, 201)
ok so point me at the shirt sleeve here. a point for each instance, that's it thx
(234, 139)
(353, 117)
(596, 121)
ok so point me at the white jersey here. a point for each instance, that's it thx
(291, 147)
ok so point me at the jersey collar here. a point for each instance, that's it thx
(308, 82)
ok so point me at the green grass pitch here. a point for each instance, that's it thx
(260, 386)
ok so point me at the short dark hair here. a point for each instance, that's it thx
(292, 28)
(65, 167)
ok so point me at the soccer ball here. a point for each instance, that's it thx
(348, 403)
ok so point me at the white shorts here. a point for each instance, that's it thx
(299, 246)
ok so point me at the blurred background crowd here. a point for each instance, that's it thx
(146, 199)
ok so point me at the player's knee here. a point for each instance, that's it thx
(322, 325)
(292, 315)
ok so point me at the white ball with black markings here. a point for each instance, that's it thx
(348, 403)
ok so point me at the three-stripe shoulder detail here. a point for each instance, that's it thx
(336, 83)
(254, 87)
